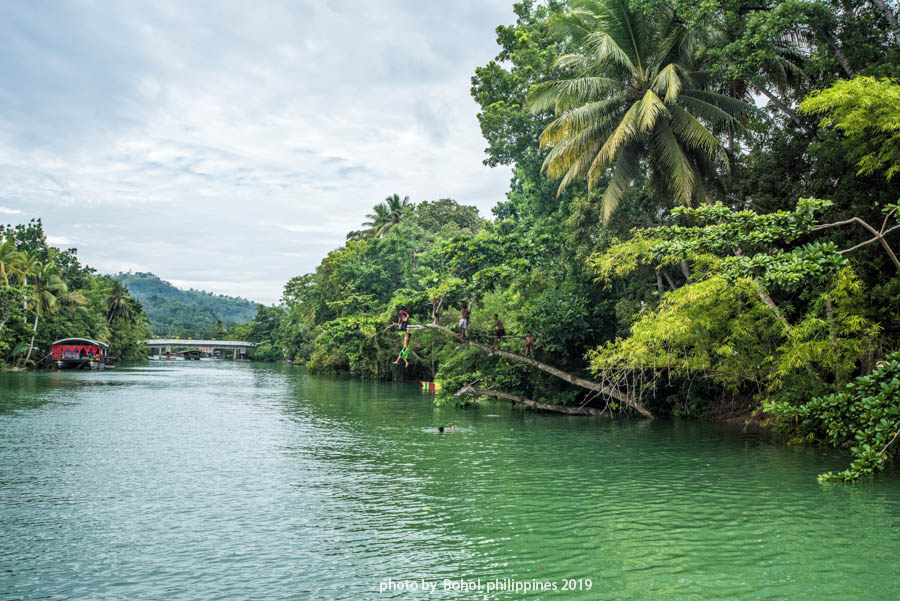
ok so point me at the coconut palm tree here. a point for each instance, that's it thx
(118, 303)
(48, 288)
(28, 265)
(634, 103)
(10, 260)
(385, 215)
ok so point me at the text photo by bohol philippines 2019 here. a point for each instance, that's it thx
(538, 299)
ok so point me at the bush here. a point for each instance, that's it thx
(865, 417)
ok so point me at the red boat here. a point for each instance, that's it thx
(80, 353)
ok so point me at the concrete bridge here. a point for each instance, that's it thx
(166, 344)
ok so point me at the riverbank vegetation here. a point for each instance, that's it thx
(46, 294)
(702, 216)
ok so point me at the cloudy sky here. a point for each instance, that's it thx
(229, 146)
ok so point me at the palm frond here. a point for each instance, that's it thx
(626, 131)
(604, 48)
(675, 165)
(709, 112)
(574, 155)
(650, 108)
(667, 83)
(695, 135)
(562, 94)
(573, 122)
(732, 106)
(624, 172)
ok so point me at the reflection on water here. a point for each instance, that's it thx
(236, 481)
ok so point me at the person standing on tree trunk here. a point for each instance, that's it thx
(436, 310)
(464, 323)
(529, 345)
(499, 331)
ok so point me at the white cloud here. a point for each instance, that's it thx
(204, 151)
(58, 240)
(7, 211)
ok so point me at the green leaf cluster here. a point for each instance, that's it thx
(863, 417)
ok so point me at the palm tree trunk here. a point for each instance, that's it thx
(31, 346)
(3, 321)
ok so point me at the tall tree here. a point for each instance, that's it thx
(48, 288)
(633, 96)
(118, 303)
(385, 215)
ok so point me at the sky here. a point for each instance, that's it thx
(229, 146)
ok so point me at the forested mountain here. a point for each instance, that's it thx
(185, 313)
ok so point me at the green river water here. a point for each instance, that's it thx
(205, 481)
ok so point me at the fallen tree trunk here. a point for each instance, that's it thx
(565, 409)
(553, 371)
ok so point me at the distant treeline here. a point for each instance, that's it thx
(185, 313)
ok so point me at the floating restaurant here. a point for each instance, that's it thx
(80, 353)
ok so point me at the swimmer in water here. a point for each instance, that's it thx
(440, 429)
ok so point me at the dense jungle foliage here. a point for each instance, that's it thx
(702, 215)
(176, 313)
(46, 294)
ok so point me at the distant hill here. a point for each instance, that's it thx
(185, 313)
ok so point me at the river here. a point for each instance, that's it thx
(187, 481)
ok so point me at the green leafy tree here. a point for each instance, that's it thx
(867, 111)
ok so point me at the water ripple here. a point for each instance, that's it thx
(236, 481)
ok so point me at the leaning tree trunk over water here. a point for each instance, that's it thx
(565, 409)
(553, 371)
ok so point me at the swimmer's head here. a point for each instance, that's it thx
(441, 429)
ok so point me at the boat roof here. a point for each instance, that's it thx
(81, 341)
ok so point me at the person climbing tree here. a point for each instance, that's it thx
(499, 331)
(464, 323)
